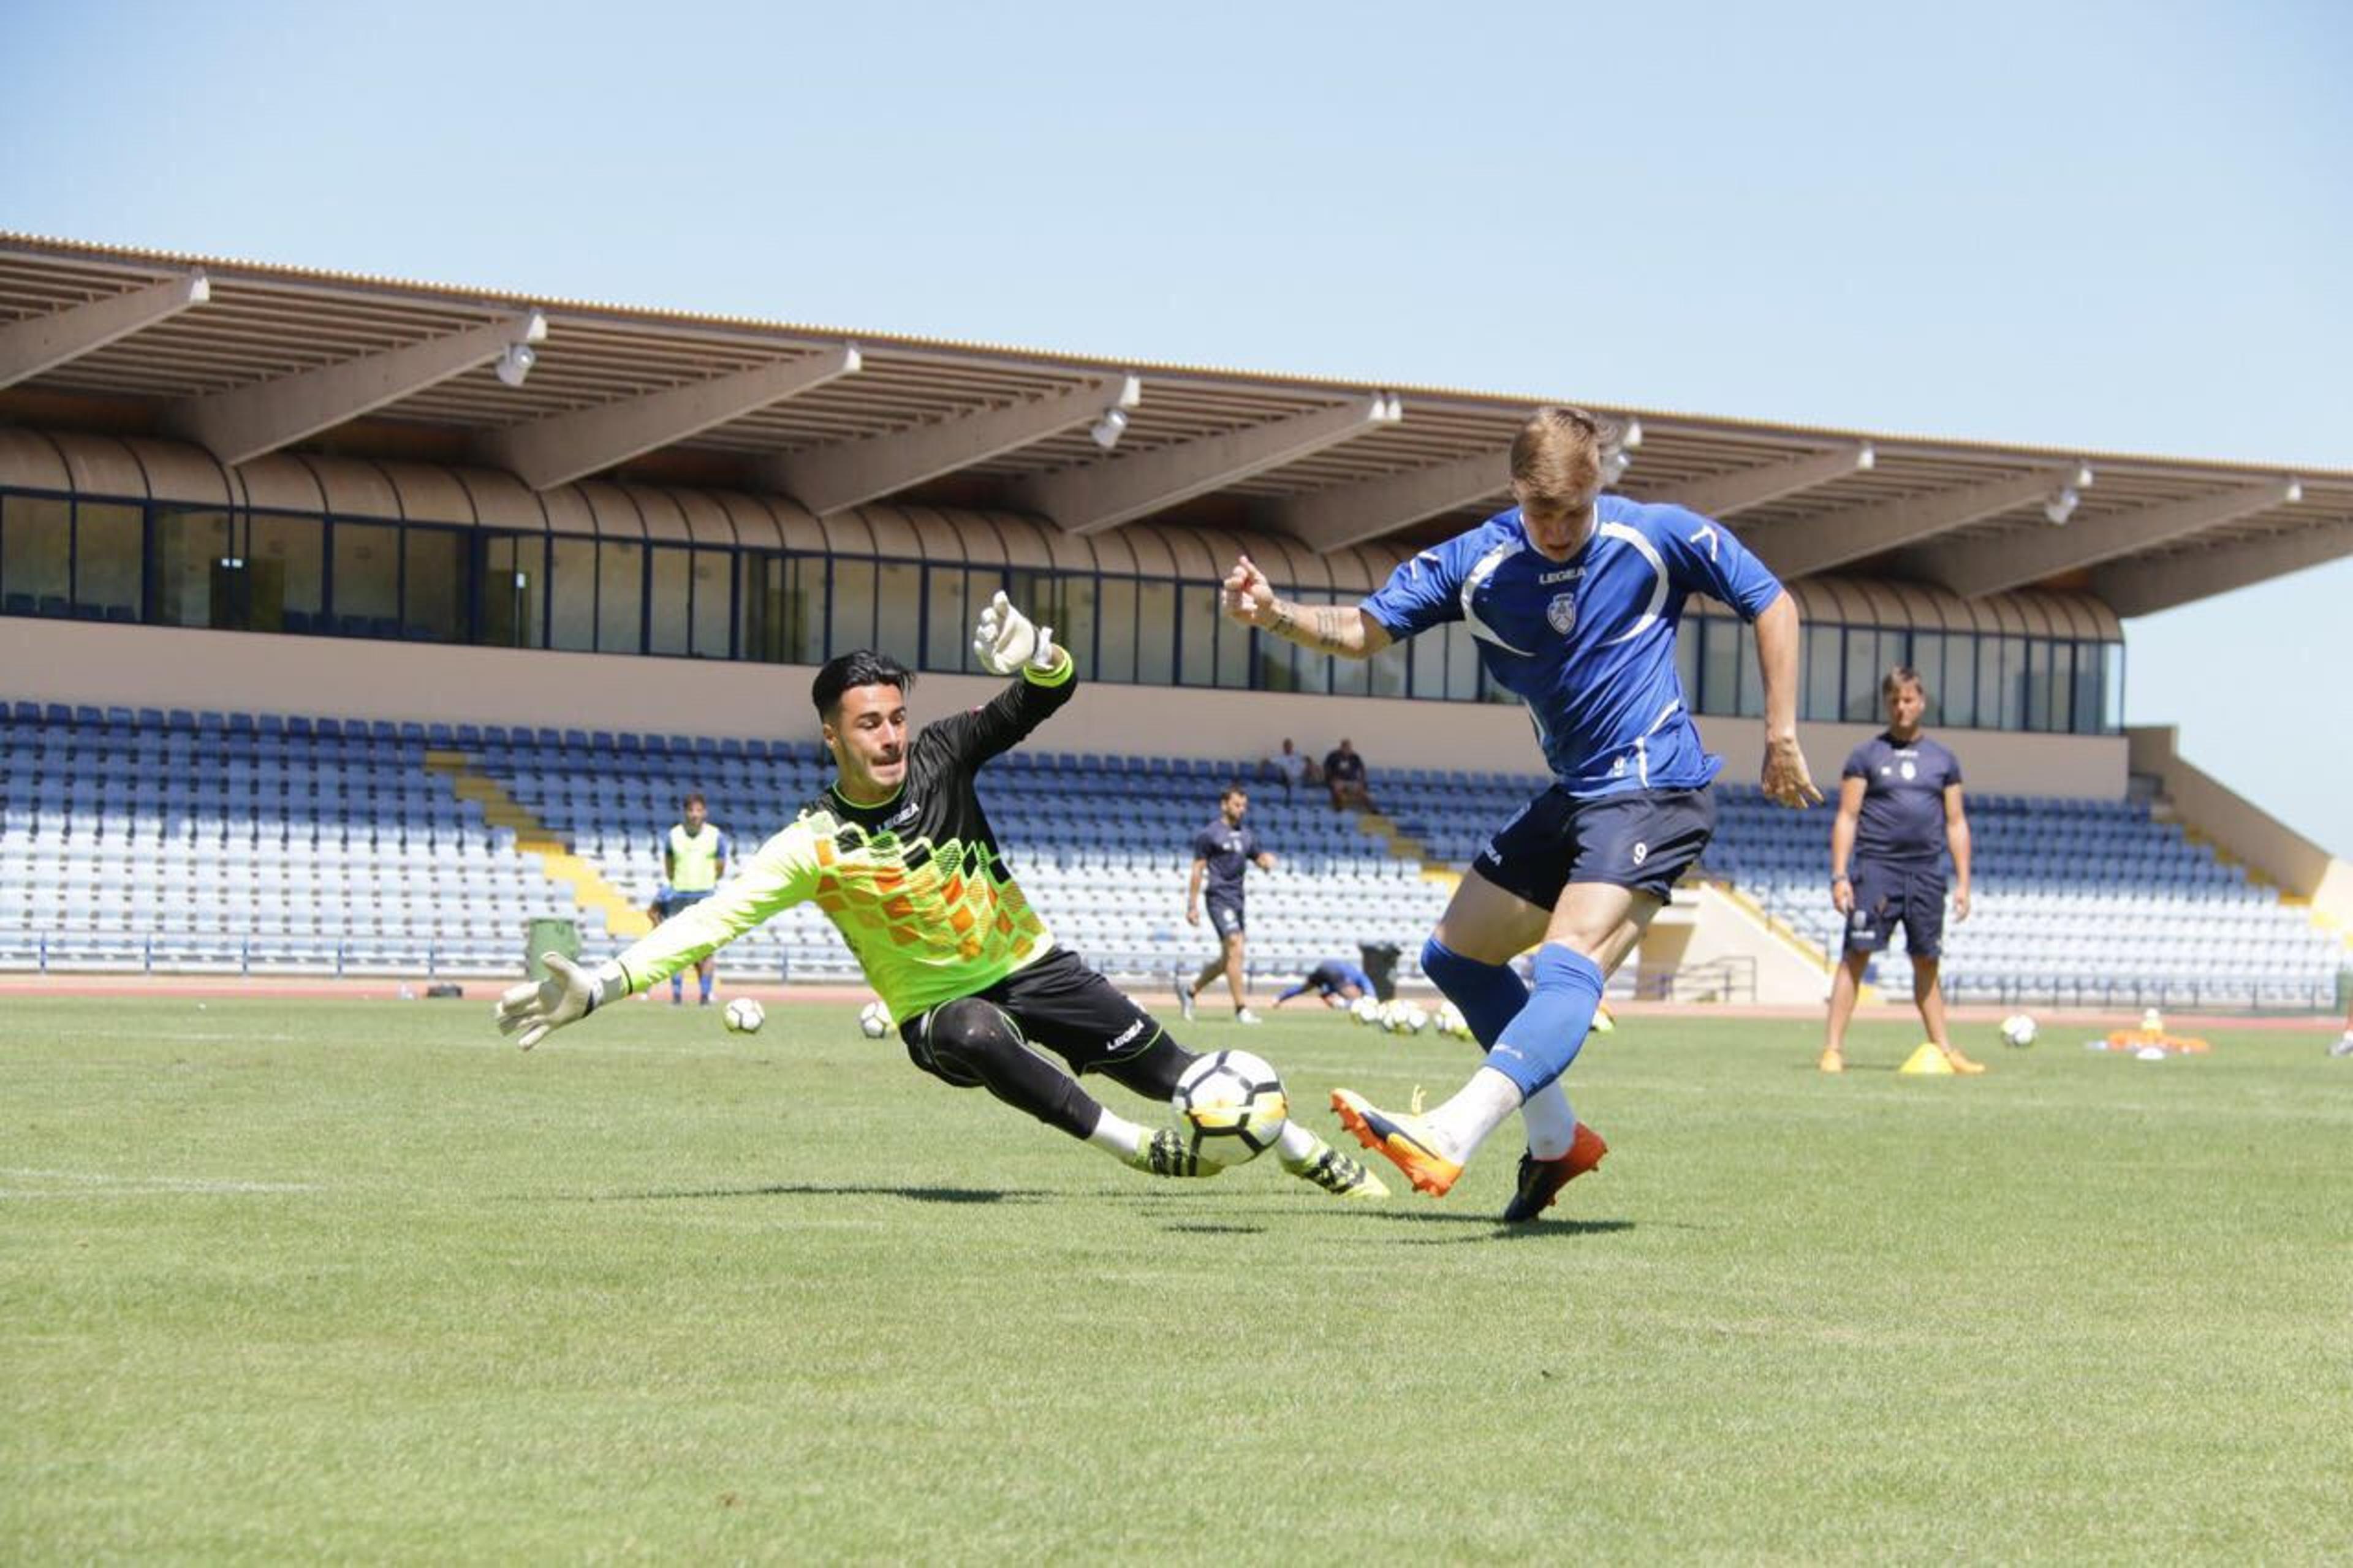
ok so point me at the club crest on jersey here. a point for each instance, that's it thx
(1910, 772)
(1561, 613)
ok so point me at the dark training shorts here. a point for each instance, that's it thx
(1225, 915)
(1642, 839)
(1057, 1003)
(1887, 895)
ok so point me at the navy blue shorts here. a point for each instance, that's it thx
(1225, 916)
(677, 904)
(1642, 839)
(1887, 896)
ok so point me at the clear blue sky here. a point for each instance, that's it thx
(2118, 227)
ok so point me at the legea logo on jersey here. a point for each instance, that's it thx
(1561, 613)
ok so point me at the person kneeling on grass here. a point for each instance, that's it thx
(899, 855)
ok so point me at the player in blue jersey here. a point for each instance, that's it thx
(1573, 598)
(1335, 980)
(1223, 853)
(1899, 810)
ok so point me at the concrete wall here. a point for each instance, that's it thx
(163, 666)
(2243, 830)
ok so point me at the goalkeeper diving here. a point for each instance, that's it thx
(899, 855)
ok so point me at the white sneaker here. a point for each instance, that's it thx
(2343, 1046)
(1184, 997)
(1244, 1015)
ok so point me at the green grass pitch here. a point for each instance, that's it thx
(357, 1281)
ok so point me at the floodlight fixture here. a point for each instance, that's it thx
(2061, 505)
(515, 363)
(1107, 431)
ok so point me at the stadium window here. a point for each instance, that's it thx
(1427, 654)
(1385, 671)
(1719, 665)
(1866, 662)
(291, 547)
(110, 545)
(899, 609)
(1233, 647)
(2112, 687)
(850, 606)
(2062, 686)
(572, 593)
(2013, 683)
(1115, 628)
(1310, 671)
(191, 558)
(1819, 678)
(670, 598)
(435, 585)
(1688, 662)
(620, 596)
(1155, 632)
(2088, 715)
(364, 580)
(1960, 699)
(1928, 659)
(947, 624)
(1752, 678)
(1462, 662)
(36, 554)
(1197, 638)
(713, 615)
(2038, 684)
(1075, 600)
(512, 575)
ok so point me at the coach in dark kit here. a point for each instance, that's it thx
(1899, 811)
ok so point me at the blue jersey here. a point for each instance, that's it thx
(1902, 798)
(1588, 644)
(1335, 974)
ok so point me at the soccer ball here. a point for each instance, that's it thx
(1366, 1010)
(1406, 1019)
(874, 1020)
(1450, 1022)
(2018, 1030)
(743, 1016)
(1230, 1106)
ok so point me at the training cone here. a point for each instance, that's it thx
(1927, 1060)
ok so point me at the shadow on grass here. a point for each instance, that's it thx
(1218, 1230)
(815, 1189)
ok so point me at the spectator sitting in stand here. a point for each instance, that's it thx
(1343, 772)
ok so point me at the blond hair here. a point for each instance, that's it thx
(1556, 459)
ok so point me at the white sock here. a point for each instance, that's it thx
(1478, 1108)
(1298, 1146)
(1117, 1136)
(1551, 1124)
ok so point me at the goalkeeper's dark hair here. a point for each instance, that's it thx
(860, 666)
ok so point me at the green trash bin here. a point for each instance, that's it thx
(548, 933)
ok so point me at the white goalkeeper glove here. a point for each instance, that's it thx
(569, 994)
(1005, 640)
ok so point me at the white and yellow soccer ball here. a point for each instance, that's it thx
(1230, 1106)
(1451, 1023)
(1366, 1009)
(874, 1020)
(2019, 1030)
(1406, 1019)
(743, 1016)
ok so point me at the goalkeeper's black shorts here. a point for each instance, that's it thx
(1060, 1004)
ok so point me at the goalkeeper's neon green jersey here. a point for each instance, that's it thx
(915, 884)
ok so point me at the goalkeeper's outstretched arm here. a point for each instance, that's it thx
(781, 875)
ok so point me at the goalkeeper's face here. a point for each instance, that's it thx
(868, 736)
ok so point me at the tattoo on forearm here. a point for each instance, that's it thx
(1323, 628)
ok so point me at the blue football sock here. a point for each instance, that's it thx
(1489, 994)
(1537, 1046)
(706, 988)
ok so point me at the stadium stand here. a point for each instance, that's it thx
(191, 841)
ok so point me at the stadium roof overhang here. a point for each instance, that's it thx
(247, 359)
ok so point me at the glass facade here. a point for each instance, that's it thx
(369, 577)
